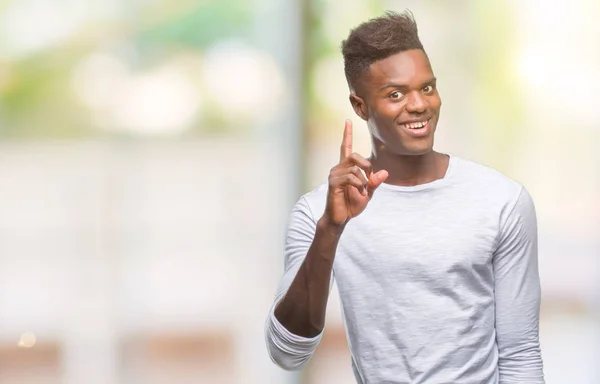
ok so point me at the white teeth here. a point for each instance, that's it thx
(418, 125)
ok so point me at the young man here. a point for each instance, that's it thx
(435, 257)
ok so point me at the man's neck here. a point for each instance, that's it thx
(407, 170)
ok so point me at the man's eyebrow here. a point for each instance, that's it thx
(395, 85)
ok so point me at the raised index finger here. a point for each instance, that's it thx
(346, 148)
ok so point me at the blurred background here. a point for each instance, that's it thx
(150, 152)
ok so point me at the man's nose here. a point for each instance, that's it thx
(416, 103)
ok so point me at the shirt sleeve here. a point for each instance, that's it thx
(517, 296)
(287, 350)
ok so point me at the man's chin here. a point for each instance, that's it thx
(419, 153)
(403, 147)
(415, 150)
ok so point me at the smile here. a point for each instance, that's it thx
(416, 125)
(417, 129)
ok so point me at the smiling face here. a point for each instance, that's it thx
(400, 102)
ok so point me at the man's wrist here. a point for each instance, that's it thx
(327, 225)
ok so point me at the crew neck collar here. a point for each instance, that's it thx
(432, 184)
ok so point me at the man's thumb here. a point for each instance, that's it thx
(376, 180)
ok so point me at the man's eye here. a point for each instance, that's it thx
(395, 95)
(428, 89)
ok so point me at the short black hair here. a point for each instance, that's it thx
(376, 40)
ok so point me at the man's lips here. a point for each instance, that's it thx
(415, 124)
(418, 128)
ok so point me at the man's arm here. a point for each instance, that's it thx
(302, 310)
(517, 295)
(295, 323)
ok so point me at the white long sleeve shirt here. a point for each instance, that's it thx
(438, 282)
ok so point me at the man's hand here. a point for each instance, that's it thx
(349, 189)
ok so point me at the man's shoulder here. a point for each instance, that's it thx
(314, 201)
(318, 194)
(485, 179)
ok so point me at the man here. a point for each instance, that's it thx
(434, 256)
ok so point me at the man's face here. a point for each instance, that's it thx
(401, 102)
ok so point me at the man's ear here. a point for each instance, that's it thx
(359, 106)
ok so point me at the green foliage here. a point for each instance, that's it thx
(202, 26)
(37, 101)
